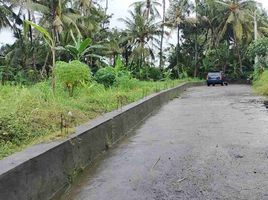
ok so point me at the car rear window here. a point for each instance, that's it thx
(214, 74)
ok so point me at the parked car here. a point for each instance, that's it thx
(214, 78)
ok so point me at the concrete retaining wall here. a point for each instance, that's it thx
(43, 171)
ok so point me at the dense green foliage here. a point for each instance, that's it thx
(258, 48)
(72, 74)
(106, 76)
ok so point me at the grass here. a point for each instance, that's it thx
(261, 85)
(30, 115)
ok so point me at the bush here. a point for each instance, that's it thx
(261, 85)
(258, 48)
(106, 76)
(72, 74)
(155, 74)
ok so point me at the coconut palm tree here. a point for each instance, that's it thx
(9, 18)
(149, 7)
(162, 34)
(56, 15)
(142, 34)
(237, 23)
(5, 13)
(178, 11)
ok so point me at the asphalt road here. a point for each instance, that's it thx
(211, 143)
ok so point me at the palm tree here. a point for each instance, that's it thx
(84, 5)
(5, 13)
(237, 22)
(178, 11)
(113, 45)
(10, 18)
(56, 15)
(162, 34)
(141, 35)
(149, 7)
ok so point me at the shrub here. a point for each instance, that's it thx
(155, 73)
(258, 48)
(261, 85)
(119, 65)
(106, 76)
(72, 74)
(167, 75)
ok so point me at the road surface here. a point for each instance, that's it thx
(211, 143)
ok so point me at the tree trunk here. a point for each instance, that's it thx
(53, 51)
(224, 68)
(106, 7)
(239, 55)
(53, 80)
(196, 56)
(239, 59)
(31, 18)
(114, 59)
(44, 66)
(162, 35)
(126, 56)
(178, 48)
(148, 7)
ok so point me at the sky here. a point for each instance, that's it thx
(119, 9)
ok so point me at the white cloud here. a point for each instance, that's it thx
(264, 3)
(6, 37)
(119, 10)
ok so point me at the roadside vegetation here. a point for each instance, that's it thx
(258, 50)
(33, 114)
(68, 66)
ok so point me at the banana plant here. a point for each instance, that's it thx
(82, 49)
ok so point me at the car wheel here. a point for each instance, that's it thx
(222, 84)
(213, 84)
(208, 84)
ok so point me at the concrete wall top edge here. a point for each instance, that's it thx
(31, 152)
(110, 115)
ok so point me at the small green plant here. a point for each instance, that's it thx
(119, 65)
(167, 75)
(106, 76)
(72, 74)
(74, 174)
(183, 75)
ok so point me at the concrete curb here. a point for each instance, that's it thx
(45, 170)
